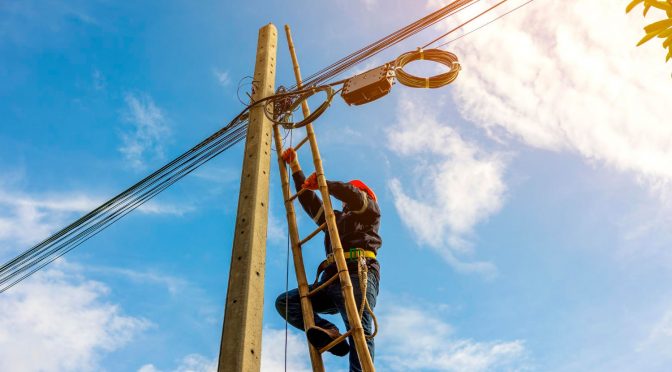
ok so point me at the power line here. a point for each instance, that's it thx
(485, 24)
(102, 217)
(376, 47)
(463, 24)
(73, 235)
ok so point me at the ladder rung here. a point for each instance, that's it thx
(303, 142)
(323, 285)
(312, 235)
(336, 341)
(291, 198)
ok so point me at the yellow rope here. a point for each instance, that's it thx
(435, 55)
(363, 273)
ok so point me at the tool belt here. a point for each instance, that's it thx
(353, 255)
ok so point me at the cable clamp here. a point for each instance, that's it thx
(422, 53)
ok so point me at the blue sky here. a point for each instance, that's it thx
(526, 207)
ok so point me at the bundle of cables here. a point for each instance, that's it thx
(329, 72)
(435, 55)
(63, 241)
(283, 108)
(33, 259)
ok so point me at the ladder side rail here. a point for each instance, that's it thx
(337, 249)
(341, 264)
(297, 255)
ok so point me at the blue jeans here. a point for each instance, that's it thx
(330, 301)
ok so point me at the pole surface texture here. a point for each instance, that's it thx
(241, 336)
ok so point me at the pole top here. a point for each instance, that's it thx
(271, 26)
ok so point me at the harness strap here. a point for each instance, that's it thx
(365, 203)
(362, 272)
(352, 253)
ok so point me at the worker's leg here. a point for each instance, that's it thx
(367, 320)
(289, 306)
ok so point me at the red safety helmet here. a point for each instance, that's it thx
(362, 186)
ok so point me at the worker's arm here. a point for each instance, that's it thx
(356, 199)
(310, 202)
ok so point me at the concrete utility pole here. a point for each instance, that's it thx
(241, 337)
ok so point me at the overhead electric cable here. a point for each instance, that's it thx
(463, 24)
(76, 233)
(37, 261)
(111, 211)
(374, 48)
(386, 42)
(485, 24)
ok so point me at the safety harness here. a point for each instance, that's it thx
(360, 255)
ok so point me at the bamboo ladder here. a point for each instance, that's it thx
(356, 329)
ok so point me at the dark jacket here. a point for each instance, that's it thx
(357, 223)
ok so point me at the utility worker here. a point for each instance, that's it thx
(358, 223)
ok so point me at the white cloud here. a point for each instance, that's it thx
(190, 363)
(273, 351)
(359, 69)
(26, 219)
(222, 77)
(153, 207)
(415, 340)
(272, 355)
(149, 131)
(196, 363)
(148, 368)
(218, 174)
(403, 344)
(59, 321)
(566, 76)
(277, 227)
(643, 340)
(643, 232)
(458, 184)
(173, 284)
(370, 4)
(207, 310)
(656, 346)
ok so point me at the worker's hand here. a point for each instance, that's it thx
(289, 156)
(311, 182)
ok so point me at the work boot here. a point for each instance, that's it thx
(321, 337)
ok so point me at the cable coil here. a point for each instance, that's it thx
(435, 55)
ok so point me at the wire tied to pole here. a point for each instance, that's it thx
(284, 118)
